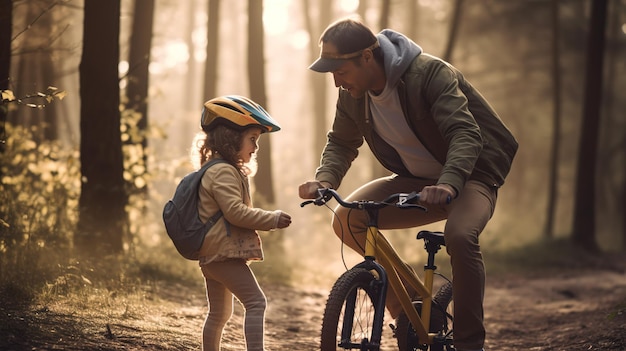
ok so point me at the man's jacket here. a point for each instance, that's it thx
(450, 118)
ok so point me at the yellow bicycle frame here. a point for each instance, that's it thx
(379, 248)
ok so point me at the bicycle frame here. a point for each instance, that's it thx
(389, 270)
(378, 248)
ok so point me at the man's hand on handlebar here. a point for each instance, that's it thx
(308, 190)
(439, 195)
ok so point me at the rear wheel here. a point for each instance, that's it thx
(440, 322)
(349, 315)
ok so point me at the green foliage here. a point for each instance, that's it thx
(36, 100)
(39, 191)
(136, 175)
(133, 139)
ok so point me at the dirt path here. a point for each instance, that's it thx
(569, 310)
(563, 312)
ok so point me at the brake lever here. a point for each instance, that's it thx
(307, 202)
(405, 199)
(410, 201)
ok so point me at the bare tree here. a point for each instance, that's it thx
(611, 167)
(139, 60)
(362, 8)
(584, 210)
(318, 81)
(556, 125)
(410, 13)
(102, 217)
(210, 68)
(256, 73)
(138, 78)
(6, 26)
(191, 97)
(454, 30)
(385, 12)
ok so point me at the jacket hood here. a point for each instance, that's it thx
(399, 51)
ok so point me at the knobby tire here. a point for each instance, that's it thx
(357, 287)
(439, 322)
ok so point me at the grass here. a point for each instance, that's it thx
(77, 304)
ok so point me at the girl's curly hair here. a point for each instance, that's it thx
(222, 141)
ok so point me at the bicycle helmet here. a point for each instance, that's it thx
(236, 112)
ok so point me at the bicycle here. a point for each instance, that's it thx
(354, 312)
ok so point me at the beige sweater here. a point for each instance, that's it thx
(235, 233)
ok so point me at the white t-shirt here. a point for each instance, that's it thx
(391, 125)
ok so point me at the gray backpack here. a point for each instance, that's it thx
(181, 216)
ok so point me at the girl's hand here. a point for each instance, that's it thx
(284, 220)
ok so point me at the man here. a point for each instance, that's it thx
(425, 123)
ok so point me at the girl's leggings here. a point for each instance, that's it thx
(225, 280)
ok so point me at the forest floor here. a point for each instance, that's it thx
(577, 305)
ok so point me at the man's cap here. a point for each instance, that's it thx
(348, 38)
(328, 62)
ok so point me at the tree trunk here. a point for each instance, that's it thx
(191, 94)
(411, 11)
(454, 30)
(6, 26)
(385, 12)
(584, 210)
(318, 81)
(210, 68)
(139, 60)
(612, 202)
(263, 180)
(102, 218)
(556, 125)
(138, 73)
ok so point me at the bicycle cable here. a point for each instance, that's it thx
(343, 258)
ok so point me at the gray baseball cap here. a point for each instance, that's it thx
(343, 40)
(330, 61)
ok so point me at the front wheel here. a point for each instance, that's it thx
(348, 322)
(440, 322)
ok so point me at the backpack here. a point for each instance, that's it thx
(181, 216)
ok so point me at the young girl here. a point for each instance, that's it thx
(232, 126)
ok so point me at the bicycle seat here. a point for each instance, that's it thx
(433, 237)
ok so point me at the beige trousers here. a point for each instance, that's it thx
(466, 217)
(224, 281)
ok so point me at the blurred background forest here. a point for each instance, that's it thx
(101, 100)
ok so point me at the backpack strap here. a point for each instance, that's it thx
(214, 219)
(211, 222)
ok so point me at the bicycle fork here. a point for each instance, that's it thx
(380, 287)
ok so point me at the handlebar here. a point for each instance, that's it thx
(399, 200)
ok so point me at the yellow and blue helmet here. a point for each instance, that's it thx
(236, 112)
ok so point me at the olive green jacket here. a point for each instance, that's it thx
(450, 118)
